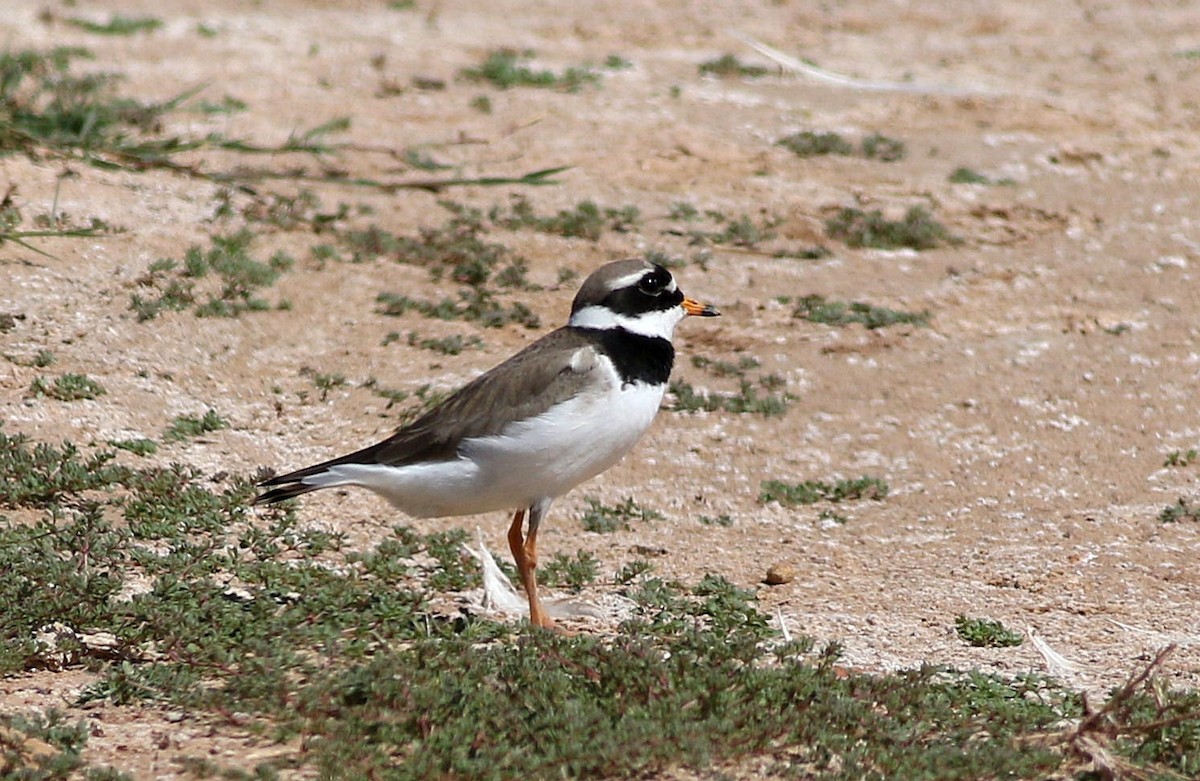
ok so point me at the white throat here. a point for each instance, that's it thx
(660, 323)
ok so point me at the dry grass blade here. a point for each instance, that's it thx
(801, 68)
(1089, 743)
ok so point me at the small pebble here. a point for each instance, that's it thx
(778, 574)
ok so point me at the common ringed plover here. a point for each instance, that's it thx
(557, 413)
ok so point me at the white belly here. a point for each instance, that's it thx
(535, 459)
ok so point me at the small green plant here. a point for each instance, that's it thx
(964, 175)
(740, 232)
(482, 104)
(507, 68)
(682, 211)
(189, 427)
(917, 229)
(447, 345)
(43, 475)
(476, 305)
(724, 519)
(813, 491)
(1182, 510)
(139, 447)
(46, 747)
(719, 368)
(632, 571)
(239, 278)
(457, 249)
(747, 400)
(602, 518)
(808, 143)
(327, 382)
(986, 633)
(831, 517)
(586, 220)
(818, 309)
(289, 212)
(1181, 457)
(728, 65)
(43, 359)
(67, 387)
(880, 147)
(118, 25)
(573, 572)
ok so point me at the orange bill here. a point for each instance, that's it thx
(694, 307)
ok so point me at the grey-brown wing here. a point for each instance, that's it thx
(547, 372)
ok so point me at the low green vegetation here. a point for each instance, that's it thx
(916, 230)
(602, 518)
(48, 108)
(67, 387)
(446, 345)
(964, 175)
(43, 358)
(46, 747)
(638, 568)
(41, 475)
(475, 305)
(237, 278)
(813, 491)
(722, 368)
(507, 68)
(1181, 458)
(185, 427)
(874, 146)
(139, 447)
(809, 143)
(254, 620)
(586, 220)
(729, 66)
(1182, 510)
(818, 309)
(986, 633)
(832, 517)
(573, 572)
(765, 397)
(326, 382)
(742, 233)
(117, 25)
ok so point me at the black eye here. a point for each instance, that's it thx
(653, 284)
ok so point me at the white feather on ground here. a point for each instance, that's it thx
(1056, 664)
(499, 595)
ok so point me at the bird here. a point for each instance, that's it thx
(559, 412)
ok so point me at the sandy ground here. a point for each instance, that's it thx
(1023, 434)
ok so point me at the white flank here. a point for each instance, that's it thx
(532, 460)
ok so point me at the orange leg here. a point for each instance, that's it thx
(524, 551)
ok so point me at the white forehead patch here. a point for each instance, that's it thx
(629, 280)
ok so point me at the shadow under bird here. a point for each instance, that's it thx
(557, 413)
